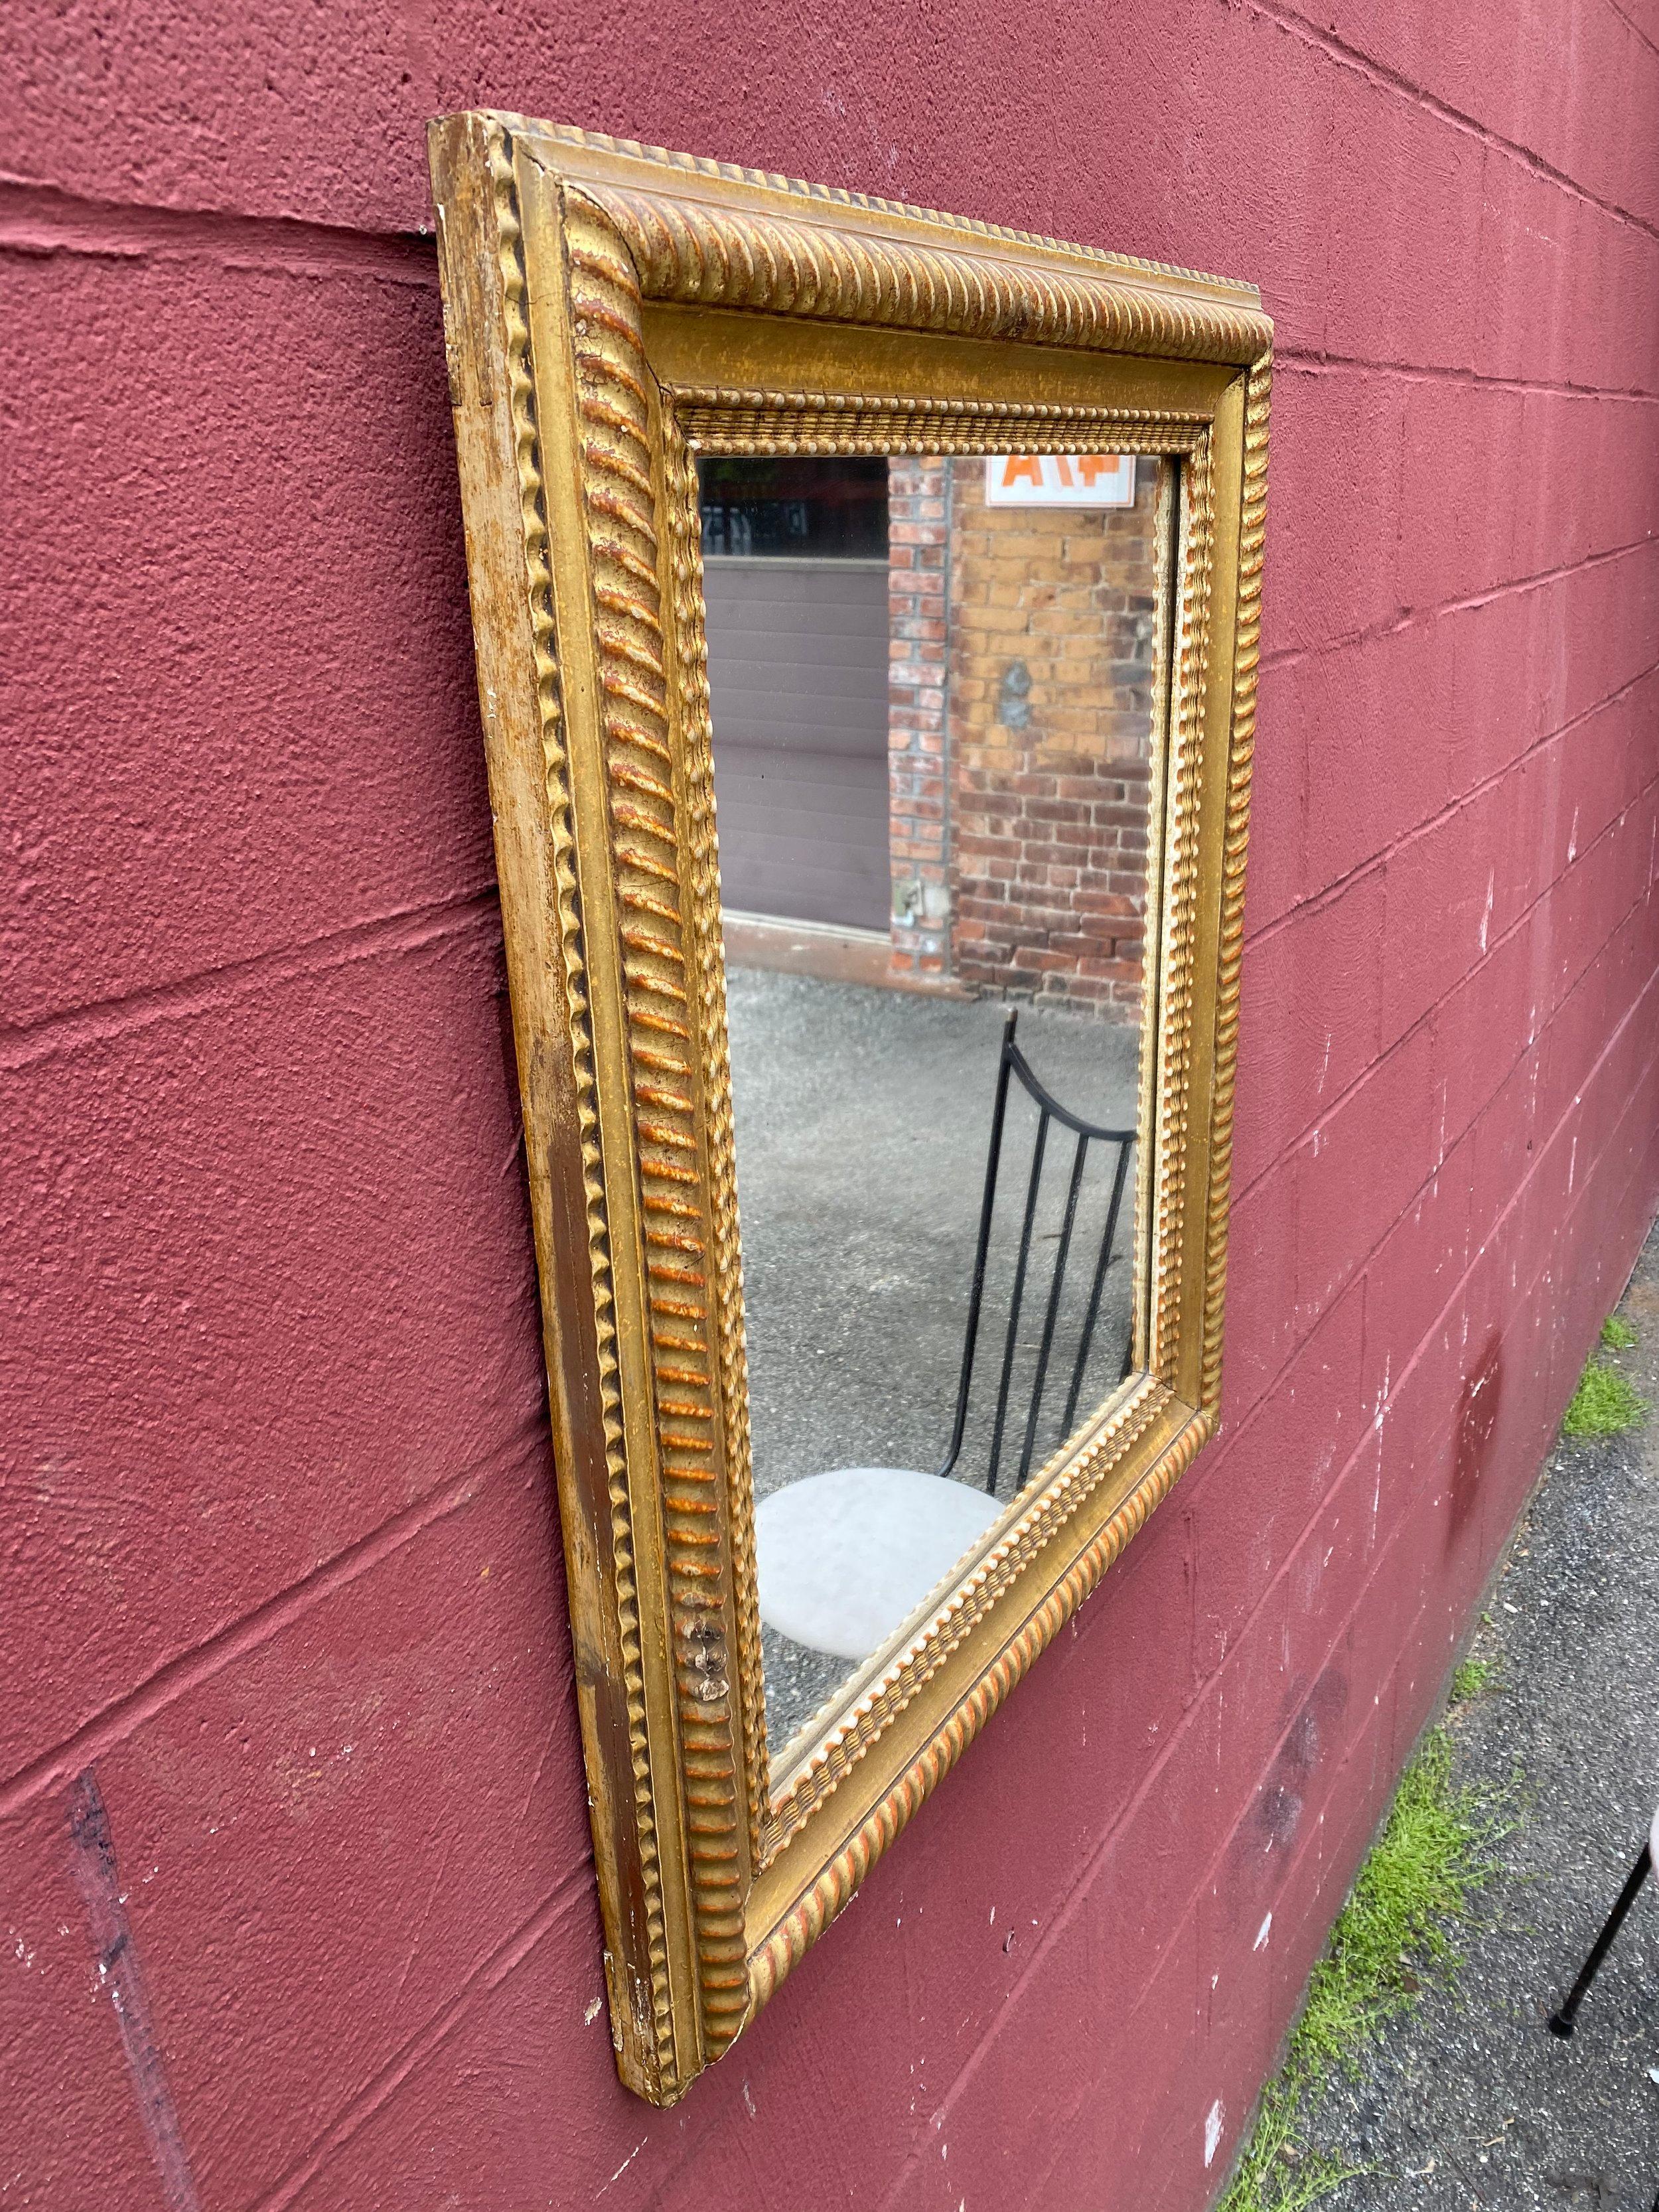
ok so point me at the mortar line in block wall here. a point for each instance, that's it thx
(1319, 361)
(1328, 894)
(250, 1632)
(1269, 1388)
(572, 1891)
(1347, 56)
(410, 929)
(1341, 1099)
(1292, 656)
(1634, 27)
(44, 219)
(1329, 1107)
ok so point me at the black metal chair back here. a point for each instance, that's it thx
(1028, 1272)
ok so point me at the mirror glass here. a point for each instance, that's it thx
(939, 691)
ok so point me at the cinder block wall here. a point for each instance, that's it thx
(289, 1689)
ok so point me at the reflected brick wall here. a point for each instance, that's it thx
(1020, 736)
(1051, 663)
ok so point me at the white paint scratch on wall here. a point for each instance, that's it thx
(592, 2012)
(1262, 1933)
(627, 2162)
(1218, 2112)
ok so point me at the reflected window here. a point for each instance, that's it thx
(790, 505)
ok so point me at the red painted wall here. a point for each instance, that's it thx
(288, 1687)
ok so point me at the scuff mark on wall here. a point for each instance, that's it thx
(93, 1852)
(1213, 2123)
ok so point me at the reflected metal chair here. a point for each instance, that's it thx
(1014, 1062)
(845, 1557)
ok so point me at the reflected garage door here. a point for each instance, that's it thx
(797, 678)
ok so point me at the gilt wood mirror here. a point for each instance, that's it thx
(866, 609)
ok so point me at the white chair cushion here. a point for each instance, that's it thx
(842, 1558)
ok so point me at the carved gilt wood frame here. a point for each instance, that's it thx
(611, 311)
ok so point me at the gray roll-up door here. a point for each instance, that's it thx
(798, 684)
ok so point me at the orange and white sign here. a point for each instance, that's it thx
(1060, 480)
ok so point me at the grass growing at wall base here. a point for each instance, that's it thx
(1604, 1404)
(1469, 1677)
(1437, 1850)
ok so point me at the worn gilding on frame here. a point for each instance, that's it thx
(609, 312)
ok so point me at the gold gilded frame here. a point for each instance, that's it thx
(610, 311)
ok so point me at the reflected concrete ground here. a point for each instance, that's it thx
(863, 1117)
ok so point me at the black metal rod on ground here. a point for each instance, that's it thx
(1561, 2022)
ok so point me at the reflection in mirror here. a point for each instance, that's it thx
(937, 695)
